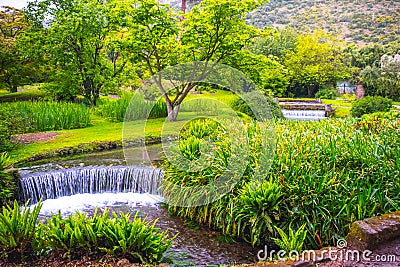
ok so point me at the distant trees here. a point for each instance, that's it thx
(73, 36)
(13, 67)
(383, 80)
(316, 61)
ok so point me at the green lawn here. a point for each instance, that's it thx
(101, 131)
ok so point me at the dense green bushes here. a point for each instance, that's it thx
(47, 116)
(269, 104)
(18, 230)
(327, 93)
(370, 104)
(325, 175)
(22, 237)
(131, 106)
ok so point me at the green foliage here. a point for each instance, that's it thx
(131, 106)
(18, 231)
(330, 173)
(316, 61)
(383, 80)
(327, 93)
(77, 45)
(8, 124)
(257, 210)
(226, 214)
(29, 95)
(7, 184)
(75, 236)
(14, 70)
(137, 240)
(48, 116)
(271, 106)
(379, 121)
(293, 241)
(79, 235)
(370, 104)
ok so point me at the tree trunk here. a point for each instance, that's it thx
(183, 7)
(172, 112)
(14, 88)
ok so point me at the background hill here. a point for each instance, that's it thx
(360, 21)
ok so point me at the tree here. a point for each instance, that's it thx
(267, 73)
(316, 61)
(13, 68)
(210, 33)
(74, 36)
(275, 42)
(383, 80)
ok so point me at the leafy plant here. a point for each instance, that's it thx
(327, 93)
(370, 104)
(76, 235)
(7, 184)
(18, 230)
(293, 241)
(137, 240)
(257, 210)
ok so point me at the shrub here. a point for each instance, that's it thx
(32, 95)
(76, 235)
(271, 107)
(79, 235)
(370, 104)
(327, 93)
(18, 231)
(138, 240)
(257, 210)
(293, 241)
(379, 121)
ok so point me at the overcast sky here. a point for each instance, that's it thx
(15, 3)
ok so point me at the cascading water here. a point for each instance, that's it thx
(127, 189)
(304, 114)
(92, 180)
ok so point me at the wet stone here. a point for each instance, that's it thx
(369, 233)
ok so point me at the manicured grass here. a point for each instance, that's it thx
(101, 131)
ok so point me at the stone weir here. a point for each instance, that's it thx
(305, 109)
(92, 180)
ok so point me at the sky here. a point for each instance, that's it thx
(14, 3)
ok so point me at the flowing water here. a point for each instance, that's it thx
(304, 114)
(129, 190)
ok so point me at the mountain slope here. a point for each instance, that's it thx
(360, 21)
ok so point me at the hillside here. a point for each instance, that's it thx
(360, 21)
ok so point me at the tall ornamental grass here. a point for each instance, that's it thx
(131, 106)
(49, 116)
(325, 175)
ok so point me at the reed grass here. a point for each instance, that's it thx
(40, 116)
(131, 106)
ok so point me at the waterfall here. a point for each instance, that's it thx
(304, 114)
(93, 179)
